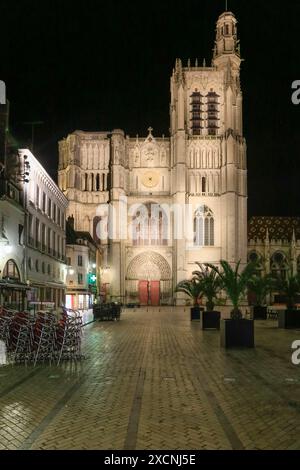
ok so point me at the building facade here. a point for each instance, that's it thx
(13, 285)
(274, 242)
(45, 238)
(81, 276)
(201, 165)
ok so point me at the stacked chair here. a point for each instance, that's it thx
(41, 337)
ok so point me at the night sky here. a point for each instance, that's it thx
(99, 65)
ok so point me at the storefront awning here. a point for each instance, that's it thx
(55, 285)
(13, 285)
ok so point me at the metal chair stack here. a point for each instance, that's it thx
(6, 318)
(69, 336)
(20, 342)
(43, 337)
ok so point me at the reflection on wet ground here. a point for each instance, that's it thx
(156, 381)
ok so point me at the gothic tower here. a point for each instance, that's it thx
(209, 154)
(197, 178)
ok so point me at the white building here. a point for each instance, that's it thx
(81, 279)
(12, 281)
(44, 262)
(203, 164)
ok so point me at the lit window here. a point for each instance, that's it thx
(150, 226)
(11, 271)
(204, 227)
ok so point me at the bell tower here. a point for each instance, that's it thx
(227, 60)
(208, 154)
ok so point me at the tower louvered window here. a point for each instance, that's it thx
(213, 113)
(197, 113)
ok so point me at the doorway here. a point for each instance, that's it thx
(149, 293)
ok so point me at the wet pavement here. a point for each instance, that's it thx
(154, 380)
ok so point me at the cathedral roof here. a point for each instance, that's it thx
(280, 228)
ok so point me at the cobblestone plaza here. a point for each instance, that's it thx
(154, 380)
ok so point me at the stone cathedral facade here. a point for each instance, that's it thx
(201, 164)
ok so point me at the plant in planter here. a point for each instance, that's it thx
(236, 332)
(261, 287)
(290, 288)
(192, 289)
(210, 286)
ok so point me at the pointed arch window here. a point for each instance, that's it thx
(279, 265)
(150, 226)
(254, 257)
(204, 227)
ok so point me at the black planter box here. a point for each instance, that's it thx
(289, 319)
(210, 320)
(195, 313)
(260, 313)
(237, 334)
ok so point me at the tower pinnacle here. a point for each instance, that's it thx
(227, 43)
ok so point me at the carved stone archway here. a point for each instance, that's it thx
(149, 266)
(140, 265)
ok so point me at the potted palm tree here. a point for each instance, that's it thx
(290, 289)
(210, 286)
(236, 332)
(192, 289)
(261, 286)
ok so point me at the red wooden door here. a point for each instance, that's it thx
(155, 293)
(143, 292)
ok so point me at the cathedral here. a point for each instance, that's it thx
(184, 196)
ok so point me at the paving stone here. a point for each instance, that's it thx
(154, 380)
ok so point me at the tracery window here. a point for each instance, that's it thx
(150, 226)
(279, 265)
(254, 257)
(204, 227)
